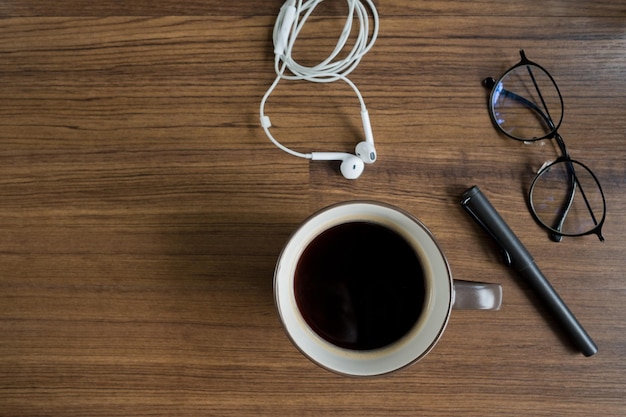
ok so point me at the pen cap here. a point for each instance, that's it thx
(481, 210)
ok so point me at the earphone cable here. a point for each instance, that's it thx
(289, 23)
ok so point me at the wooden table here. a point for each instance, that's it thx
(142, 208)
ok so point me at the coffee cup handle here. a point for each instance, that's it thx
(470, 295)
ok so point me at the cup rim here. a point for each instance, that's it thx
(409, 349)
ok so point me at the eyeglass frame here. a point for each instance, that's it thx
(555, 234)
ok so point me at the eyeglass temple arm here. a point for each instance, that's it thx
(567, 204)
(574, 182)
(570, 167)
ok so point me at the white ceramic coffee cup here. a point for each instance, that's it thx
(442, 293)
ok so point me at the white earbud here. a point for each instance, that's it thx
(365, 150)
(351, 165)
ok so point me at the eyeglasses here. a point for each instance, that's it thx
(565, 196)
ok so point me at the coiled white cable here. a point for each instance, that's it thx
(289, 23)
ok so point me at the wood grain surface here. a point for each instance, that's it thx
(142, 208)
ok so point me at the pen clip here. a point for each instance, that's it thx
(505, 255)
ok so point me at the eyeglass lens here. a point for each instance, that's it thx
(526, 103)
(567, 199)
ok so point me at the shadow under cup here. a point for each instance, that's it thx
(363, 289)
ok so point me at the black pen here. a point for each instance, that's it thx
(516, 256)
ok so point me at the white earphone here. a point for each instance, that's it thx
(291, 18)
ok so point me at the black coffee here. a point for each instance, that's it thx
(360, 286)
